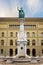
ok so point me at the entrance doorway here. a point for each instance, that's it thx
(16, 51)
(33, 52)
(11, 52)
(28, 52)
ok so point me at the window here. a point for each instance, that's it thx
(28, 34)
(28, 52)
(33, 42)
(14, 26)
(30, 26)
(42, 51)
(16, 34)
(41, 34)
(28, 42)
(2, 34)
(34, 52)
(1, 51)
(11, 52)
(15, 42)
(11, 42)
(16, 51)
(26, 26)
(11, 34)
(33, 34)
(2, 42)
(41, 42)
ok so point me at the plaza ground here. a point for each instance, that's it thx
(22, 63)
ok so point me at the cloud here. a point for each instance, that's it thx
(34, 6)
(8, 10)
(14, 11)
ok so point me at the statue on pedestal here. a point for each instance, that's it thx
(21, 13)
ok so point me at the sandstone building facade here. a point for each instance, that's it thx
(9, 28)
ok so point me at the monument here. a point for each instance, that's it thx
(22, 40)
(21, 43)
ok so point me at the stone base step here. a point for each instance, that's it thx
(21, 60)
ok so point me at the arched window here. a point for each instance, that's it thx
(41, 34)
(28, 42)
(11, 42)
(16, 34)
(42, 51)
(33, 42)
(15, 42)
(1, 51)
(28, 51)
(2, 34)
(33, 34)
(33, 52)
(28, 34)
(11, 52)
(41, 42)
(2, 42)
(11, 34)
(16, 50)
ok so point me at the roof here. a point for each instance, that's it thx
(16, 19)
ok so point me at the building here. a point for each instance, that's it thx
(9, 28)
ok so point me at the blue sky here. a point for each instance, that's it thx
(32, 8)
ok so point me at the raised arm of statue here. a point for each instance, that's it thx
(18, 8)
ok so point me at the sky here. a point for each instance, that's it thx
(32, 8)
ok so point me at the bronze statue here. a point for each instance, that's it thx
(21, 13)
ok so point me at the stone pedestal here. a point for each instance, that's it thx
(21, 49)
